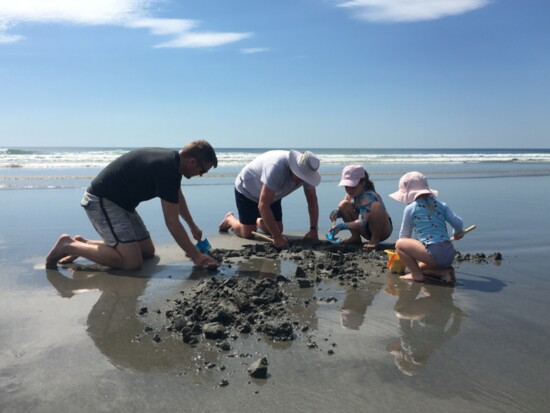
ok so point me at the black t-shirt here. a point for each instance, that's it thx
(140, 175)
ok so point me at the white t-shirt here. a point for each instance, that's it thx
(271, 169)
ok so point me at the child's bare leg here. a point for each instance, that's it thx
(349, 214)
(411, 251)
(446, 274)
(379, 225)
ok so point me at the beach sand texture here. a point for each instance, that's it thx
(80, 339)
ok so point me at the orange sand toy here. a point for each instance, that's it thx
(395, 264)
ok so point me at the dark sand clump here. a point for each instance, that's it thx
(221, 308)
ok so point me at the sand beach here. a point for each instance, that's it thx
(87, 339)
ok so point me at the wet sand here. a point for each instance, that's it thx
(85, 339)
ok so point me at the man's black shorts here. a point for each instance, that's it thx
(249, 212)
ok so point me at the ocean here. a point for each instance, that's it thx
(74, 167)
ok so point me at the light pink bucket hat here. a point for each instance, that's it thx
(411, 185)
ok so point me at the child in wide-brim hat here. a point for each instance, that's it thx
(431, 251)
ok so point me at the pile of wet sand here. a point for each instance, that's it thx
(221, 309)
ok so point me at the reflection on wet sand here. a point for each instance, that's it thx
(354, 307)
(259, 268)
(135, 337)
(427, 317)
(118, 329)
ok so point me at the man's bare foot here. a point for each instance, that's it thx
(70, 258)
(67, 259)
(260, 225)
(410, 277)
(57, 251)
(225, 225)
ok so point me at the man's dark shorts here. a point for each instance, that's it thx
(113, 223)
(249, 212)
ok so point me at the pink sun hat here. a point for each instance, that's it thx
(351, 175)
(412, 185)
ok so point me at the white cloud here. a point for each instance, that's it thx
(10, 38)
(7, 38)
(72, 11)
(163, 26)
(126, 13)
(410, 10)
(204, 39)
(184, 37)
(253, 50)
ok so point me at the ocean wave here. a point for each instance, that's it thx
(82, 158)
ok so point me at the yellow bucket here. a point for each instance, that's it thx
(395, 264)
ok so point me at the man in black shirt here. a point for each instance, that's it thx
(111, 200)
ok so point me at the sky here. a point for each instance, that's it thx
(275, 73)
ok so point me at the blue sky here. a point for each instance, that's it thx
(275, 73)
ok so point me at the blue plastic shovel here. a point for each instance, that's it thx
(330, 236)
(204, 246)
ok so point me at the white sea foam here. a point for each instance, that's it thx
(88, 158)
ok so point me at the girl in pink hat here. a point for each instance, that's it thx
(362, 210)
(431, 252)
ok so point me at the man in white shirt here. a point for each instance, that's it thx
(262, 184)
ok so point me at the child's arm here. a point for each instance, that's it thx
(406, 224)
(454, 220)
(351, 225)
(335, 213)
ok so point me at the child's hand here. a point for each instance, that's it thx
(334, 214)
(458, 236)
(339, 228)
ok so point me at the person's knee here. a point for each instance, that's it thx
(131, 256)
(147, 248)
(376, 208)
(347, 211)
(246, 231)
(345, 205)
(400, 244)
(133, 263)
(148, 252)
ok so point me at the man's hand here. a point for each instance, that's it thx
(205, 261)
(280, 242)
(196, 231)
(312, 234)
